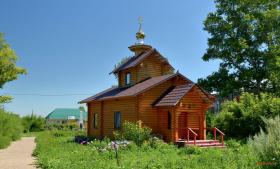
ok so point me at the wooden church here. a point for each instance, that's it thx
(149, 91)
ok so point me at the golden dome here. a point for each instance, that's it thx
(140, 35)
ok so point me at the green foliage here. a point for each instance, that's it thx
(5, 99)
(65, 154)
(33, 123)
(267, 144)
(8, 69)
(274, 68)
(209, 118)
(133, 132)
(10, 128)
(62, 126)
(243, 118)
(244, 37)
(10, 124)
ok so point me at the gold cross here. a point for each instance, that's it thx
(140, 20)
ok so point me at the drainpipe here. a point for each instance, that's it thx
(81, 121)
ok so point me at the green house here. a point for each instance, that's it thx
(66, 116)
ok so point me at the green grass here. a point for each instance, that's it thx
(56, 150)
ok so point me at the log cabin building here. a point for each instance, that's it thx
(149, 91)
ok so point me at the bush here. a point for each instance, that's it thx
(242, 118)
(33, 123)
(133, 132)
(62, 127)
(82, 138)
(189, 150)
(267, 144)
(10, 128)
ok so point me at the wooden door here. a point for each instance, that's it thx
(183, 125)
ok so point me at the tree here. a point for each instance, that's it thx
(8, 69)
(245, 38)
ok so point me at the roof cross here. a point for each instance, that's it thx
(140, 20)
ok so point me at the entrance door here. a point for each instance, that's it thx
(183, 125)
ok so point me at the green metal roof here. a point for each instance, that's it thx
(66, 113)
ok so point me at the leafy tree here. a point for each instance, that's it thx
(8, 69)
(275, 71)
(245, 38)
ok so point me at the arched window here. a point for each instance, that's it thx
(127, 78)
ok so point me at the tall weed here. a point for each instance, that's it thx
(266, 144)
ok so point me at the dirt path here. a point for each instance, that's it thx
(18, 155)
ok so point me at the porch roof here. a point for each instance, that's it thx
(175, 95)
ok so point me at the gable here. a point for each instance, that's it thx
(138, 58)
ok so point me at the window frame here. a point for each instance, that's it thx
(95, 120)
(117, 126)
(127, 74)
(169, 120)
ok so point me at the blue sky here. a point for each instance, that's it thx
(70, 46)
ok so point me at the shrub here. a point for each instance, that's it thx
(233, 144)
(33, 123)
(242, 118)
(267, 144)
(10, 128)
(58, 134)
(189, 150)
(62, 127)
(82, 138)
(134, 132)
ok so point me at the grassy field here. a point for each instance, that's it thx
(57, 150)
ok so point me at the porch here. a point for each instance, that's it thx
(187, 128)
(192, 139)
(181, 116)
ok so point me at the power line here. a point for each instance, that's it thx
(39, 94)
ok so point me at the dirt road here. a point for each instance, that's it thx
(18, 155)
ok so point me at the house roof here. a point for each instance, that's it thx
(173, 97)
(133, 61)
(65, 113)
(116, 92)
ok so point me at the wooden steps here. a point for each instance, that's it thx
(201, 143)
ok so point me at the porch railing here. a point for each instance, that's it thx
(194, 134)
(215, 130)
